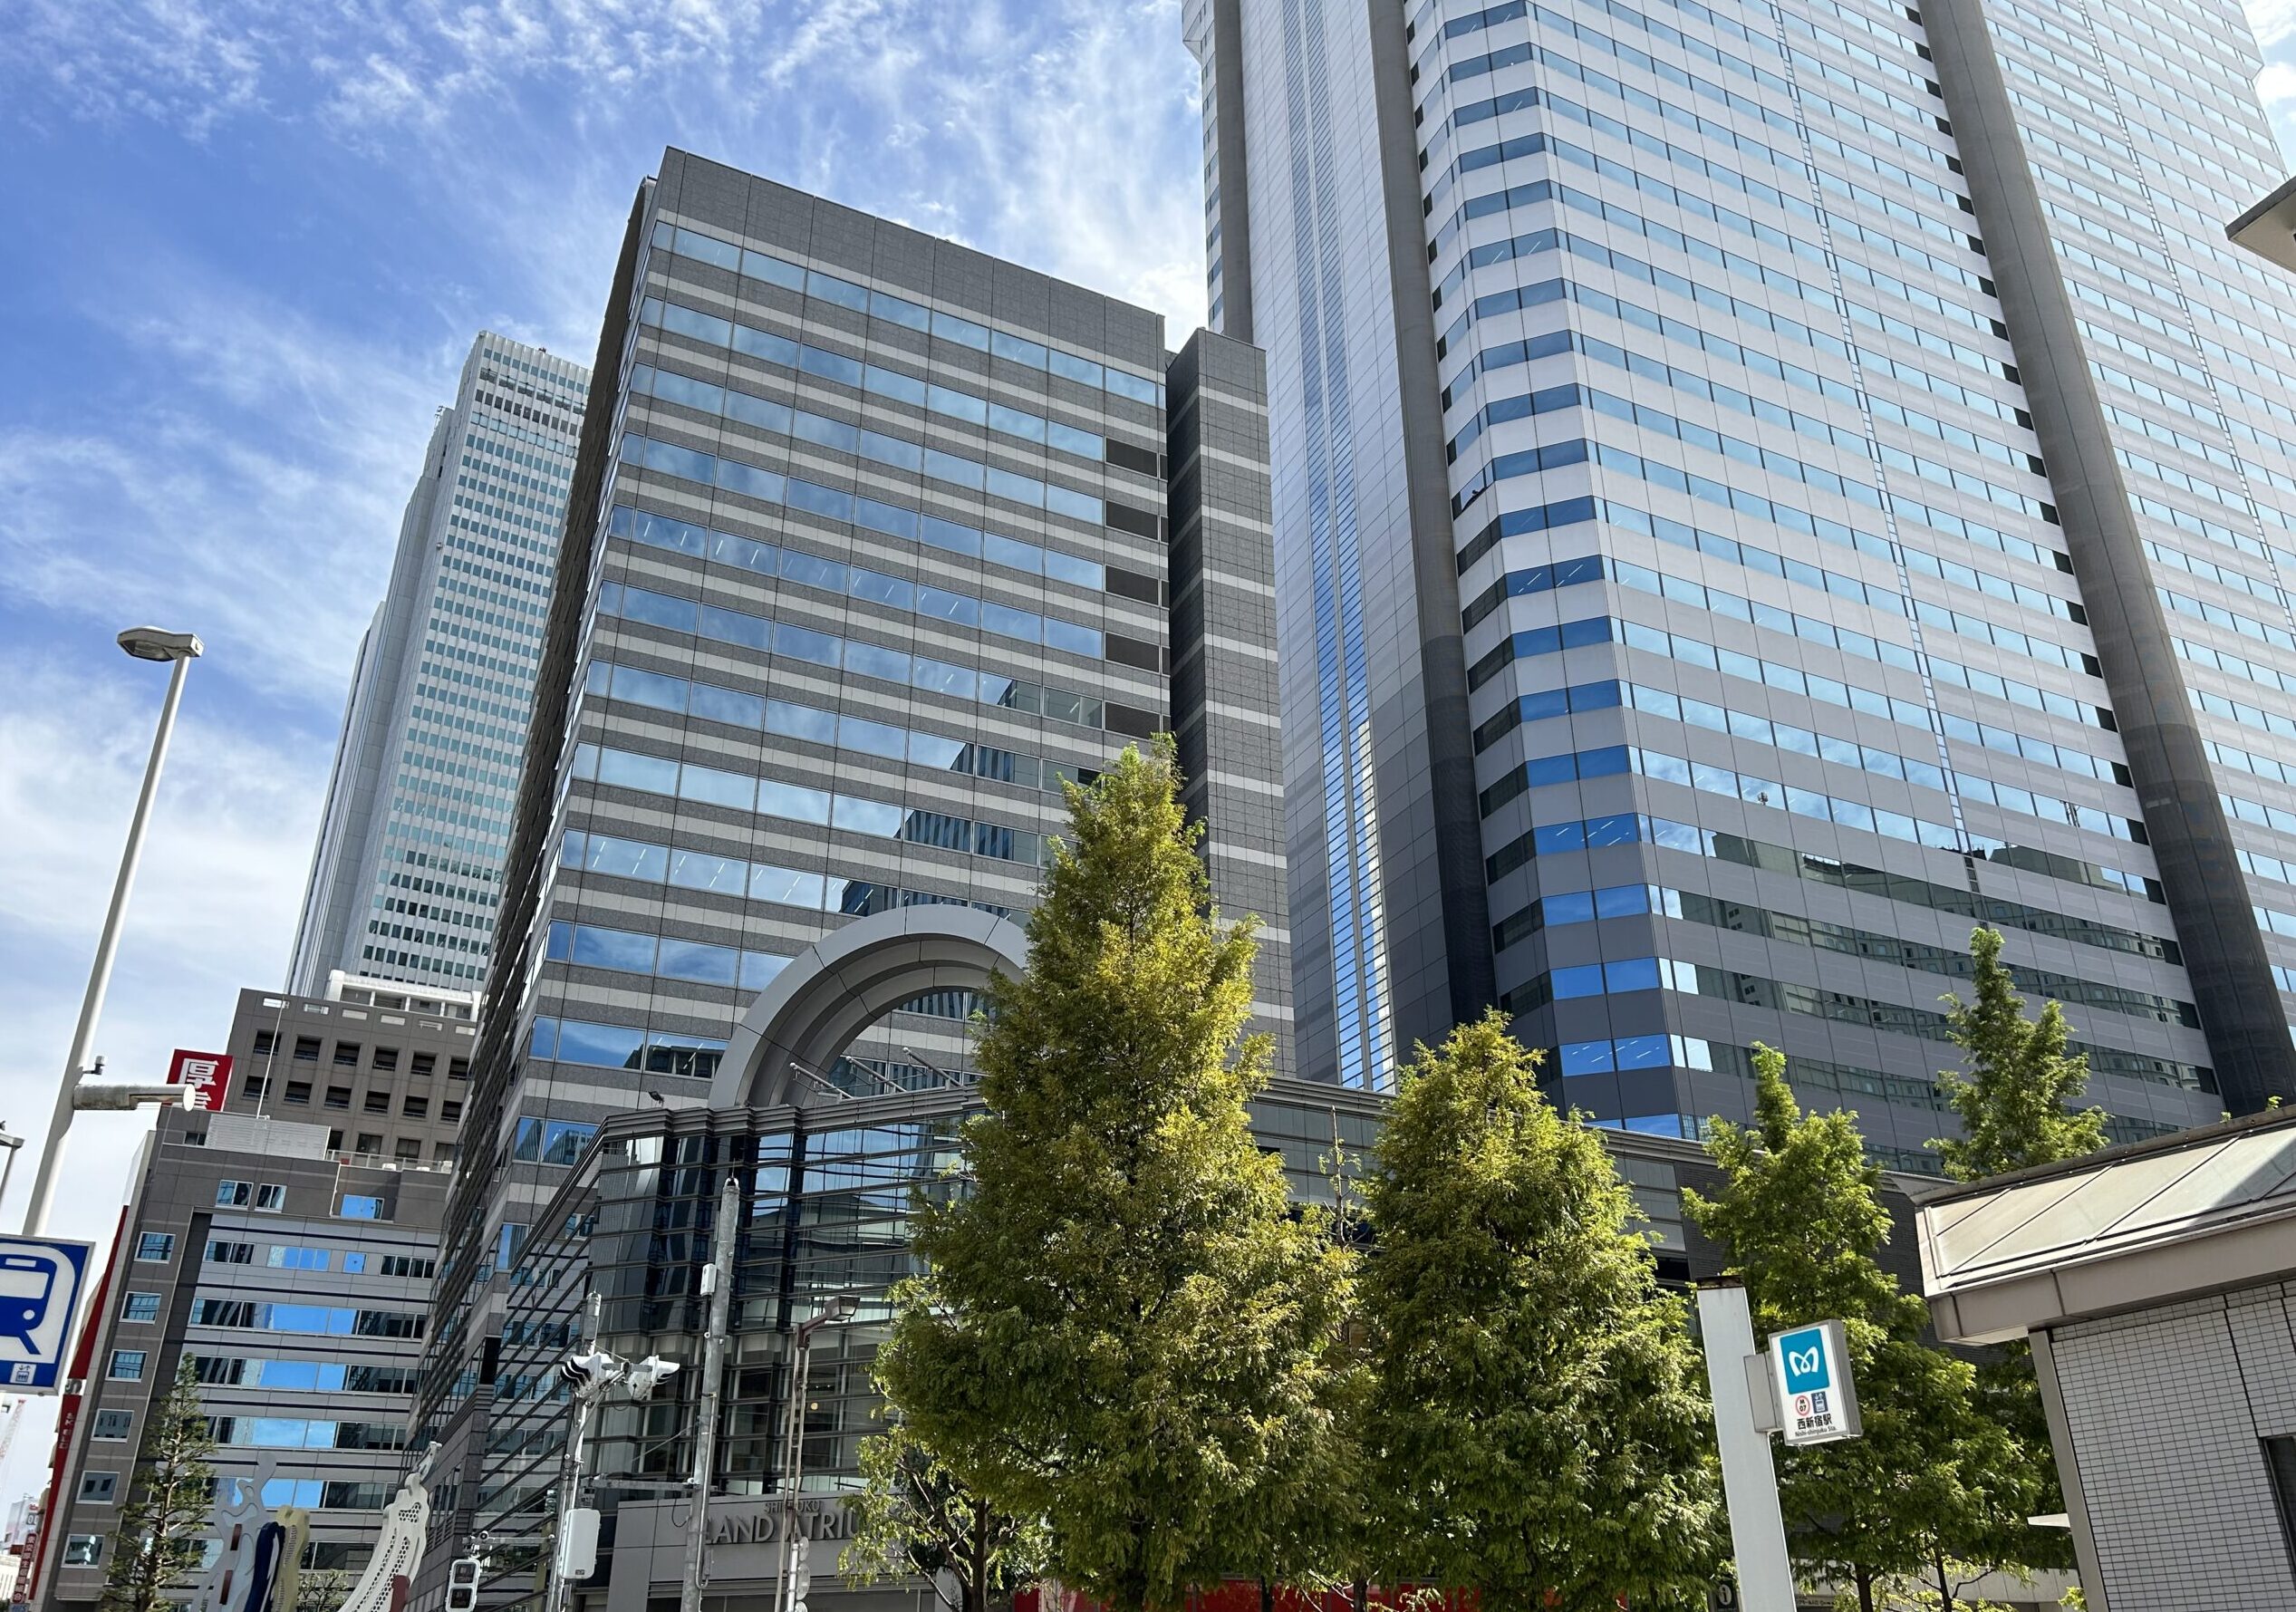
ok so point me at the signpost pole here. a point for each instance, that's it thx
(1750, 1480)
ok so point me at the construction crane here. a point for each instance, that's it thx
(12, 1412)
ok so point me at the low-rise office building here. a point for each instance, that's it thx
(286, 1245)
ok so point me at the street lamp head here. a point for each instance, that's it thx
(833, 1310)
(154, 643)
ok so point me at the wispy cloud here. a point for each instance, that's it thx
(263, 460)
(1056, 131)
(2276, 88)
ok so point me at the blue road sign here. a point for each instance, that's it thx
(40, 1281)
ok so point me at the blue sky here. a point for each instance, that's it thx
(249, 242)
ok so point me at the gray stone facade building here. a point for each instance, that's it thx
(1756, 495)
(405, 876)
(870, 547)
(287, 1244)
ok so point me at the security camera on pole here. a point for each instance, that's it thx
(594, 1373)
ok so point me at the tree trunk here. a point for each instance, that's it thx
(1865, 1582)
(974, 1590)
(1946, 1601)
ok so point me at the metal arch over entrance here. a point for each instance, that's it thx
(843, 983)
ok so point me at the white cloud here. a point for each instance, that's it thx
(2276, 88)
(178, 60)
(1059, 132)
(2272, 21)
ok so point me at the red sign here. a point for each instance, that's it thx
(209, 1072)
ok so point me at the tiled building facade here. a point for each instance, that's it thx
(285, 1244)
(1759, 490)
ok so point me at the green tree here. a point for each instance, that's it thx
(913, 1517)
(2018, 1084)
(1535, 1417)
(2015, 1097)
(1123, 1328)
(169, 1501)
(1800, 1218)
(321, 1591)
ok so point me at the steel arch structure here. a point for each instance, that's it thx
(844, 982)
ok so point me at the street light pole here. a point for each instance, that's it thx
(838, 1309)
(145, 644)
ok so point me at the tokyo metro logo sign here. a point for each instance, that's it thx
(1816, 1401)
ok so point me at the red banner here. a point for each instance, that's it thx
(209, 1072)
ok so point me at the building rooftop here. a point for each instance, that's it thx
(2149, 1224)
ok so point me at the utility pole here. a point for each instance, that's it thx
(717, 1282)
(570, 1494)
(13, 1143)
(594, 1373)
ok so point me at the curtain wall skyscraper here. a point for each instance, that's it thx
(1759, 490)
(405, 876)
(876, 542)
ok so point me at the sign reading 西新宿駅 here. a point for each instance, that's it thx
(1817, 1401)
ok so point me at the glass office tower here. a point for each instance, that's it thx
(405, 875)
(1760, 489)
(871, 550)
